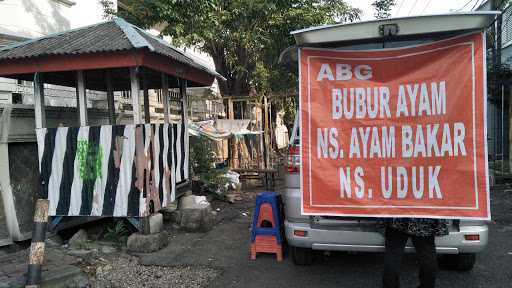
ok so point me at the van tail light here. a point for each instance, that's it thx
(472, 237)
(293, 159)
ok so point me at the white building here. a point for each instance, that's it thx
(25, 19)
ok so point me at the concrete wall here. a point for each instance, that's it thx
(19, 167)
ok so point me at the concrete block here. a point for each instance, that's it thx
(197, 219)
(193, 201)
(156, 223)
(140, 243)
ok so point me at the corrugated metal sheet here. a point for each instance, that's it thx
(103, 37)
(115, 35)
(4, 42)
(163, 48)
(6, 39)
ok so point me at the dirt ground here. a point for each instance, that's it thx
(220, 258)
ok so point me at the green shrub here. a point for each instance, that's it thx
(118, 233)
(202, 163)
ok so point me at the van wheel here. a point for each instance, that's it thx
(461, 262)
(301, 256)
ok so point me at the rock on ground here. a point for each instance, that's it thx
(199, 219)
(78, 238)
(140, 243)
(195, 214)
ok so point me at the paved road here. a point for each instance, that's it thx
(226, 248)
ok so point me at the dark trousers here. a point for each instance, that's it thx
(425, 250)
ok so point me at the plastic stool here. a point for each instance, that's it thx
(266, 226)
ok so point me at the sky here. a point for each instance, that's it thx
(416, 7)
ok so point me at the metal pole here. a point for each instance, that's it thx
(36, 256)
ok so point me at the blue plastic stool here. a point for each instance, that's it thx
(271, 198)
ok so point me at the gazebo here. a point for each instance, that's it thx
(116, 170)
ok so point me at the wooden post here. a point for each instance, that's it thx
(39, 109)
(232, 149)
(36, 256)
(82, 97)
(259, 122)
(110, 98)
(165, 96)
(147, 116)
(267, 152)
(134, 87)
(184, 118)
(266, 142)
(231, 111)
(271, 128)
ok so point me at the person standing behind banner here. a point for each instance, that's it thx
(422, 233)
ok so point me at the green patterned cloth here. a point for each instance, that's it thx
(419, 226)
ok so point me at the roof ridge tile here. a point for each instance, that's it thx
(132, 34)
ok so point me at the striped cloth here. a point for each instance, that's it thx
(121, 170)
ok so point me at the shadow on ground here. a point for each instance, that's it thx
(226, 248)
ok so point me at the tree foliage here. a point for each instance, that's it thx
(383, 8)
(202, 163)
(244, 37)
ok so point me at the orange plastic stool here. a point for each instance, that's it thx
(266, 230)
(266, 244)
(265, 215)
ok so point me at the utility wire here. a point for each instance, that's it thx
(425, 8)
(474, 6)
(465, 5)
(414, 5)
(399, 8)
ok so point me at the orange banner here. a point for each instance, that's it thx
(398, 132)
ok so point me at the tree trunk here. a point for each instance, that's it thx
(236, 84)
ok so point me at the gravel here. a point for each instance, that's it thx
(125, 271)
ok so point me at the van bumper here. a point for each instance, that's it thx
(364, 241)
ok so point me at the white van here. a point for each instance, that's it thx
(307, 233)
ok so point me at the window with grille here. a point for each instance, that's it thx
(506, 24)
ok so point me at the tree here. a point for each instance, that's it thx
(244, 37)
(383, 8)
